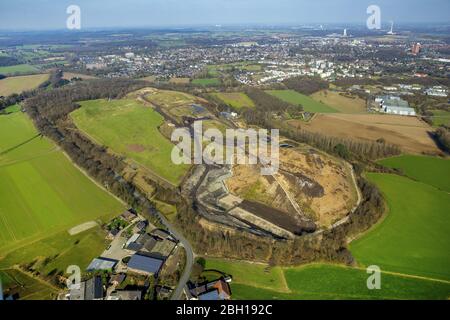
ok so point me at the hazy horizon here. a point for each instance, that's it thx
(28, 15)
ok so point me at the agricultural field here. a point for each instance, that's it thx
(21, 83)
(308, 103)
(430, 170)
(236, 100)
(179, 80)
(18, 69)
(41, 191)
(149, 78)
(53, 254)
(207, 82)
(414, 237)
(320, 281)
(130, 129)
(336, 100)
(440, 117)
(24, 287)
(409, 133)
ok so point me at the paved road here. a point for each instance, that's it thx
(189, 258)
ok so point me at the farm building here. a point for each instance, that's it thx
(143, 264)
(214, 290)
(91, 289)
(139, 242)
(102, 264)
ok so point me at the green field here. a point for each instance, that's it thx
(41, 192)
(430, 170)
(11, 109)
(56, 252)
(236, 100)
(207, 82)
(414, 238)
(251, 274)
(295, 98)
(130, 129)
(21, 83)
(24, 287)
(440, 117)
(321, 281)
(18, 69)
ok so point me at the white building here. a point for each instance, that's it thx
(437, 91)
(394, 105)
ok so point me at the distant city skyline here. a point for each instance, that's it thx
(51, 14)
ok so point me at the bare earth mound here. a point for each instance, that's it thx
(321, 187)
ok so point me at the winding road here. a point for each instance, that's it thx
(189, 258)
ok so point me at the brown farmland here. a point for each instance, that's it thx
(409, 133)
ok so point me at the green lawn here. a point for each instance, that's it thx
(252, 274)
(17, 69)
(207, 82)
(414, 238)
(236, 100)
(41, 192)
(431, 170)
(321, 281)
(130, 129)
(308, 103)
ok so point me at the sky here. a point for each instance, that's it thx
(51, 14)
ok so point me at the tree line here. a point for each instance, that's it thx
(306, 85)
(262, 116)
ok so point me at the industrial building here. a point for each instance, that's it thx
(394, 105)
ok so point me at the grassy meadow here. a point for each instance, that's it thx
(236, 100)
(341, 103)
(207, 82)
(130, 129)
(17, 69)
(414, 236)
(440, 117)
(295, 98)
(430, 170)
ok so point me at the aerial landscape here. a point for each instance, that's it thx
(228, 156)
